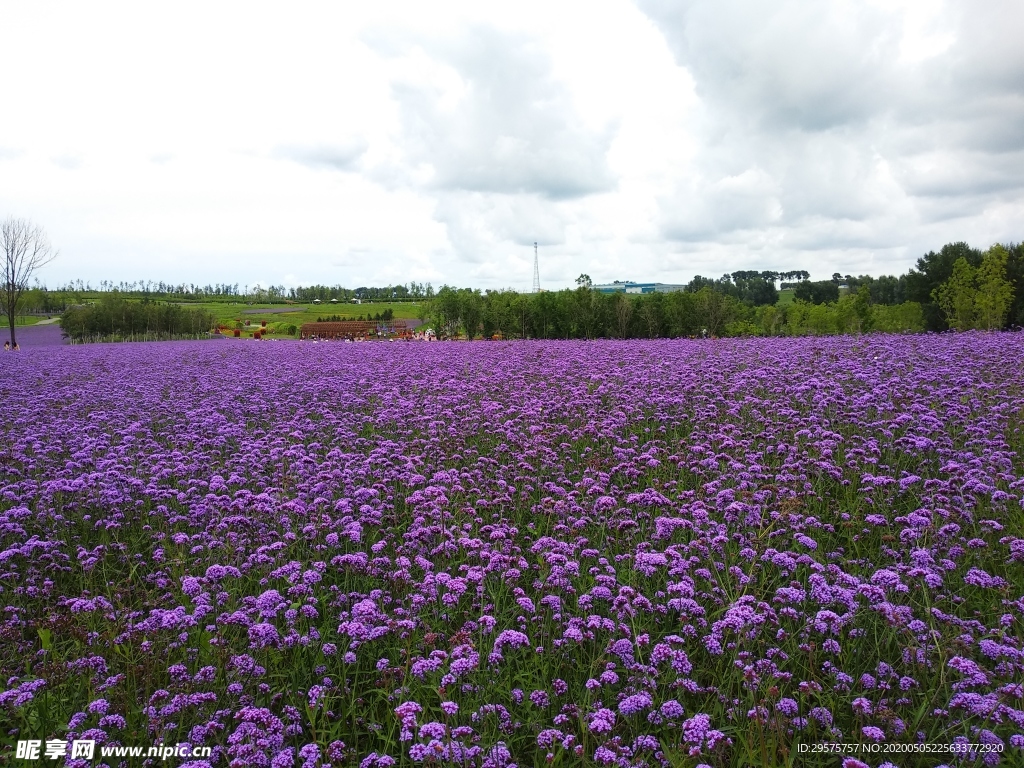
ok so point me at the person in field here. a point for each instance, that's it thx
(7, 346)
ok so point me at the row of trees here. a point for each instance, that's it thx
(957, 287)
(385, 317)
(411, 292)
(585, 314)
(114, 318)
(987, 289)
(1002, 278)
(76, 290)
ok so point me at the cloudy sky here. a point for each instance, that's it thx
(374, 143)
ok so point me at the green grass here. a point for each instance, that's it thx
(229, 314)
(785, 297)
(20, 320)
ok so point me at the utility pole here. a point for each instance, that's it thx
(536, 271)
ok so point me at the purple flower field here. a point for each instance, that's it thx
(649, 553)
(29, 336)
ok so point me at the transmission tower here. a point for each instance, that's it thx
(536, 271)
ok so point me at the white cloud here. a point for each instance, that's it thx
(864, 116)
(748, 200)
(486, 115)
(402, 141)
(338, 156)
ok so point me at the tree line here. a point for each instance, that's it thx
(586, 314)
(39, 298)
(382, 317)
(957, 287)
(115, 318)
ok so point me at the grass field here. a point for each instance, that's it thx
(21, 320)
(278, 321)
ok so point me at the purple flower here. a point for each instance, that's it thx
(512, 638)
(315, 695)
(631, 705)
(787, 707)
(263, 635)
(623, 649)
(98, 707)
(873, 733)
(310, 754)
(862, 706)
(671, 709)
(433, 730)
(822, 715)
(695, 729)
(601, 721)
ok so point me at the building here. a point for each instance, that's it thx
(360, 329)
(628, 286)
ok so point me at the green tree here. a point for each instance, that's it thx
(543, 313)
(995, 293)
(934, 269)
(862, 308)
(423, 311)
(499, 313)
(651, 314)
(898, 318)
(715, 309)
(956, 296)
(754, 289)
(769, 320)
(886, 289)
(623, 313)
(681, 314)
(520, 305)
(1015, 274)
(820, 292)
(471, 310)
(447, 308)
(583, 311)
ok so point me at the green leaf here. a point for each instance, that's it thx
(204, 643)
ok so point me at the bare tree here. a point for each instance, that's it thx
(25, 251)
